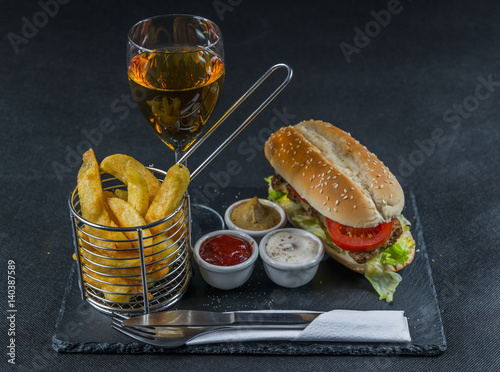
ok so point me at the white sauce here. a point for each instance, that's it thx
(291, 248)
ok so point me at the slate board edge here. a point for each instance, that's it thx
(423, 250)
(269, 348)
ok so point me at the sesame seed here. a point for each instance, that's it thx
(327, 198)
(345, 190)
(352, 197)
(381, 186)
(329, 209)
(354, 207)
(335, 185)
(321, 191)
(329, 171)
(345, 197)
(324, 203)
(335, 209)
(390, 197)
(353, 189)
(303, 174)
(337, 202)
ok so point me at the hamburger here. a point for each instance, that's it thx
(333, 186)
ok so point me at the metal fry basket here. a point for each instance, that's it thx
(131, 270)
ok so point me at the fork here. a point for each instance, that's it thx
(171, 337)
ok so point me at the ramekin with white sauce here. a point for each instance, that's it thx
(291, 256)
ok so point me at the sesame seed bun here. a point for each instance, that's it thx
(337, 175)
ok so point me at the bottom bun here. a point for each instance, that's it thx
(342, 257)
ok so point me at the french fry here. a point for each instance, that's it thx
(90, 190)
(127, 216)
(108, 194)
(169, 197)
(117, 165)
(119, 287)
(122, 194)
(92, 203)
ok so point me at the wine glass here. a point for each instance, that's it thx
(176, 71)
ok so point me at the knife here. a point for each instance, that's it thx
(195, 318)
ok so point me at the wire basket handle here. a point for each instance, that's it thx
(252, 116)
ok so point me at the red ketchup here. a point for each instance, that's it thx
(225, 250)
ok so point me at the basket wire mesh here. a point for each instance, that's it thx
(143, 273)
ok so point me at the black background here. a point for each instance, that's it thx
(396, 95)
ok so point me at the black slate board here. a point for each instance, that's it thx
(81, 329)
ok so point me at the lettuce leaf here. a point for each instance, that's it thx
(384, 282)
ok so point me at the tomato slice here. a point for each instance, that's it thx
(297, 194)
(356, 239)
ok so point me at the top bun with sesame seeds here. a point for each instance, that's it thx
(335, 174)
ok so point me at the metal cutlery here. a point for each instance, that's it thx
(195, 318)
(175, 336)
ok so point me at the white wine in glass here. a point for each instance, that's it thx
(176, 71)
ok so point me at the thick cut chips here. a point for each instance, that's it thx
(105, 264)
(169, 197)
(117, 166)
(93, 208)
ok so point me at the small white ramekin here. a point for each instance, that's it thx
(286, 274)
(226, 277)
(255, 234)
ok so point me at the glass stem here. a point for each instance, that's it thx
(178, 155)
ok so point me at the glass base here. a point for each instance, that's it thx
(203, 221)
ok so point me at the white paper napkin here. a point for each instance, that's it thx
(336, 325)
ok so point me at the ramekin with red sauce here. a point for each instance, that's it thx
(226, 258)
